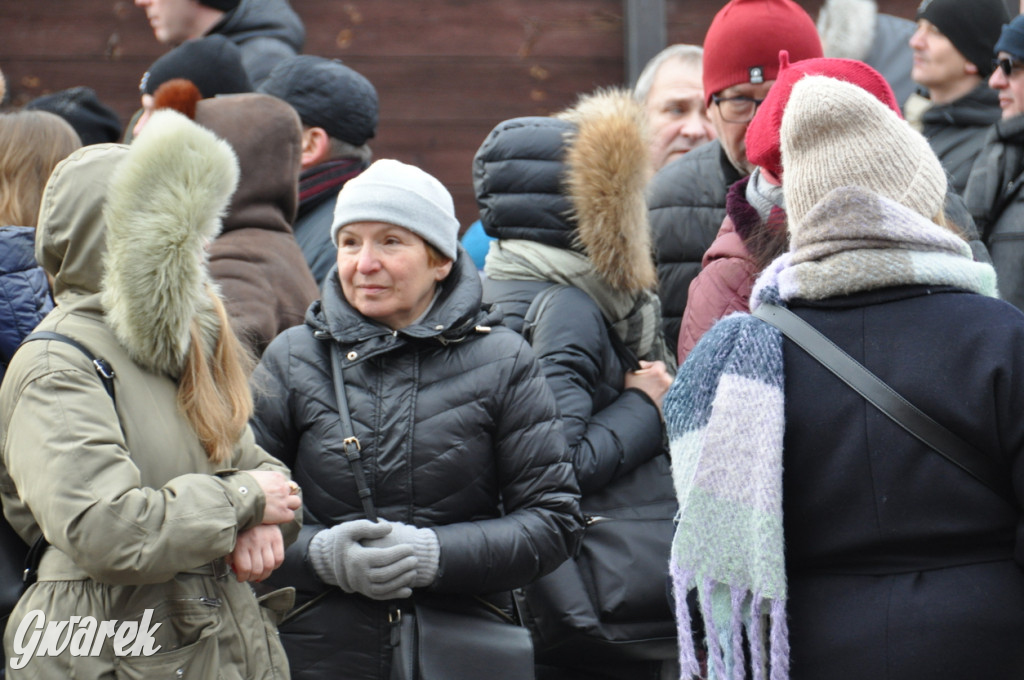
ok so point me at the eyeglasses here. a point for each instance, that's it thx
(736, 109)
(1007, 65)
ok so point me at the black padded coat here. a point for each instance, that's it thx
(455, 421)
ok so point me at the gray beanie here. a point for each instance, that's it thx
(391, 191)
(836, 134)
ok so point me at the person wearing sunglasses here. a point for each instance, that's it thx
(993, 193)
(952, 59)
(686, 198)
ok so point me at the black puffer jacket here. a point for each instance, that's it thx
(687, 205)
(956, 131)
(454, 419)
(994, 197)
(267, 31)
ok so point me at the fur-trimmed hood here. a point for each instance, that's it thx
(847, 28)
(129, 225)
(576, 181)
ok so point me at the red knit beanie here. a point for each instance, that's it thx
(742, 45)
(763, 132)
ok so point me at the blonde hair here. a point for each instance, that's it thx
(32, 143)
(213, 392)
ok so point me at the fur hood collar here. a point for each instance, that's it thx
(575, 181)
(164, 205)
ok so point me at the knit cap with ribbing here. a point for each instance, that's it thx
(835, 134)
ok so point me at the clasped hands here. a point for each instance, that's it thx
(381, 560)
(259, 550)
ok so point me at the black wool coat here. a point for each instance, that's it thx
(900, 565)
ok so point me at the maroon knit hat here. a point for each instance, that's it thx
(763, 145)
(743, 42)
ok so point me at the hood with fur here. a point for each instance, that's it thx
(575, 181)
(164, 205)
(847, 28)
(129, 225)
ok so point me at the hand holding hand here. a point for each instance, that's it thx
(338, 557)
(424, 544)
(652, 378)
(282, 499)
(258, 552)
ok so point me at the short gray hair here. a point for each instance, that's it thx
(339, 149)
(691, 55)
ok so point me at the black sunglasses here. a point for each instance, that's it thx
(1006, 65)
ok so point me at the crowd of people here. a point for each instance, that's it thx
(267, 407)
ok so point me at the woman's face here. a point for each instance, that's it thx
(385, 272)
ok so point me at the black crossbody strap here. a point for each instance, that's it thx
(351, 443)
(103, 369)
(106, 374)
(882, 396)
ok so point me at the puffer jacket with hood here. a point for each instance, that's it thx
(687, 203)
(264, 278)
(455, 422)
(24, 292)
(956, 131)
(136, 515)
(576, 182)
(267, 31)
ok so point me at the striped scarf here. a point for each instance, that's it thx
(725, 418)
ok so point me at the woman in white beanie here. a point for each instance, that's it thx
(841, 544)
(459, 441)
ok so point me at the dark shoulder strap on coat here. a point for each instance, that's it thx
(883, 397)
(103, 369)
(106, 374)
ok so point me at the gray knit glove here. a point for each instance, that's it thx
(382, 573)
(424, 544)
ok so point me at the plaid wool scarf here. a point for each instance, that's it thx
(726, 420)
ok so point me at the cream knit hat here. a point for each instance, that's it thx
(836, 134)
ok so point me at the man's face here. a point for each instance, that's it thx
(675, 112)
(937, 64)
(730, 134)
(1010, 88)
(173, 21)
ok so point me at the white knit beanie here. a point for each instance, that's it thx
(391, 191)
(836, 134)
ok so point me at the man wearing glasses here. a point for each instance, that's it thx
(952, 59)
(687, 196)
(993, 193)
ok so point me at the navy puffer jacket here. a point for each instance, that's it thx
(24, 292)
(455, 422)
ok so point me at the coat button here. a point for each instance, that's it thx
(243, 490)
(352, 356)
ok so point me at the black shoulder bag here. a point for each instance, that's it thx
(884, 398)
(434, 641)
(610, 601)
(19, 565)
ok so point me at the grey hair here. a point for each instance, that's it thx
(691, 55)
(340, 149)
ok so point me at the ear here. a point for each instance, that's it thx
(970, 68)
(315, 146)
(442, 272)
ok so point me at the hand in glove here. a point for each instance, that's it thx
(424, 544)
(380, 573)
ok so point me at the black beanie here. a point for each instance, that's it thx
(222, 5)
(326, 94)
(213, 64)
(971, 25)
(94, 121)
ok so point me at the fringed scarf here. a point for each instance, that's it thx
(634, 316)
(725, 418)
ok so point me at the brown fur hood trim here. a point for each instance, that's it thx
(608, 167)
